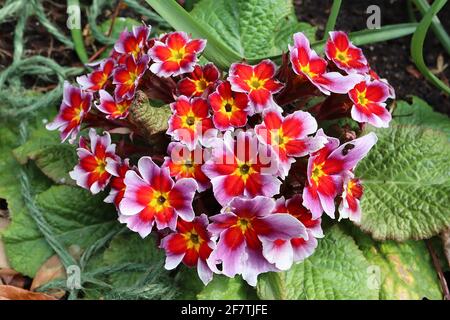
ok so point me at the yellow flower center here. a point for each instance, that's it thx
(101, 165)
(362, 100)
(307, 70)
(189, 119)
(244, 170)
(177, 55)
(159, 201)
(317, 172)
(228, 107)
(193, 240)
(279, 139)
(255, 83)
(244, 224)
(201, 85)
(342, 56)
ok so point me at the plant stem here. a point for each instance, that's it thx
(439, 271)
(331, 23)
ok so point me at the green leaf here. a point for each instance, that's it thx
(404, 271)
(131, 248)
(337, 270)
(223, 288)
(54, 158)
(216, 50)
(407, 184)
(419, 112)
(417, 45)
(76, 217)
(120, 23)
(368, 36)
(220, 287)
(10, 188)
(255, 29)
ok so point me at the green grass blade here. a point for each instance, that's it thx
(367, 36)
(436, 25)
(216, 51)
(418, 41)
(77, 36)
(331, 23)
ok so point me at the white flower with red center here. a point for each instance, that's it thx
(117, 168)
(257, 81)
(90, 173)
(350, 205)
(133, 42)
(152, 196)
(327, 169)
(283, 253)
(230, 109)
(243, 227)
(369, 105)
(191, 122)
(112, 108)
(184, 163)
(190, 244)
(75, 105)
(307, 63)
(126, 77)
(175, 54)
(199, 82)
(97, 79)
(242, 167)
(344, 54)
(288, 136)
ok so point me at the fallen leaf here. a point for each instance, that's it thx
(14, 293)
(13, 278)
(413, 72)
(51, 270)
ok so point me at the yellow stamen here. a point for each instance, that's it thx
(177, 55)
(255, 83)
(244, 224)
(194, 241)
(159, 201)
(317, 172)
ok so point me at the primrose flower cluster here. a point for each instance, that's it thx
(247, 173)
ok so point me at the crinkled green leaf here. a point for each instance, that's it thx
(253, 28)
(419, 112)
(131, 248)
(10, 188)
(223, 288)
(402, 270)
(407, 184)
(54, 158)
(76, 217)
(337, 270)
(220, 287)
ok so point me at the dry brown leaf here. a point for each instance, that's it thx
(53, 269)
(13, 278)
(14, 293)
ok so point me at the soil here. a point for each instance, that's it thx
(390, 59)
